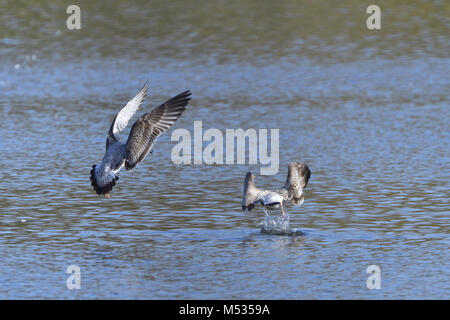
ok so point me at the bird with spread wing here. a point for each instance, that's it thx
(143, 135)
(297, 179)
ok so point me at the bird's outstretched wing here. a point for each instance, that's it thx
(303, 174)
(251, 193)
(123, 116)
(148, 127)
(297, 179)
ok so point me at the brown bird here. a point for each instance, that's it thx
(297, 179)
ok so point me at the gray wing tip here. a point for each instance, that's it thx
(179, 102)
(308, 175)
(184, 95)
(143, 90)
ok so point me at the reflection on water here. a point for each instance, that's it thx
(366, 110)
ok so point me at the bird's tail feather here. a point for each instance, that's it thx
(104, 182)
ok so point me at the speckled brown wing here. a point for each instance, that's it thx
(150, 126)
(304, 174)
(297, 179)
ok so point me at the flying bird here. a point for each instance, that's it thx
(143, 135)
(297, 179)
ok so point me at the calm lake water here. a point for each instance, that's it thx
(367, 110)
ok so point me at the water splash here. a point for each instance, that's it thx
(279, 226)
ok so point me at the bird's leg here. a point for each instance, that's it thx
(282, 210)
(107, 196)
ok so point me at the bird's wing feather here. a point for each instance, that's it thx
(251, 197)
(297, 179)
(125, 114)
(251, 193)
(303, 174)
(150, 126)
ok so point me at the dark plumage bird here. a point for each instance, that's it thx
(143, 135)
(297, 179)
